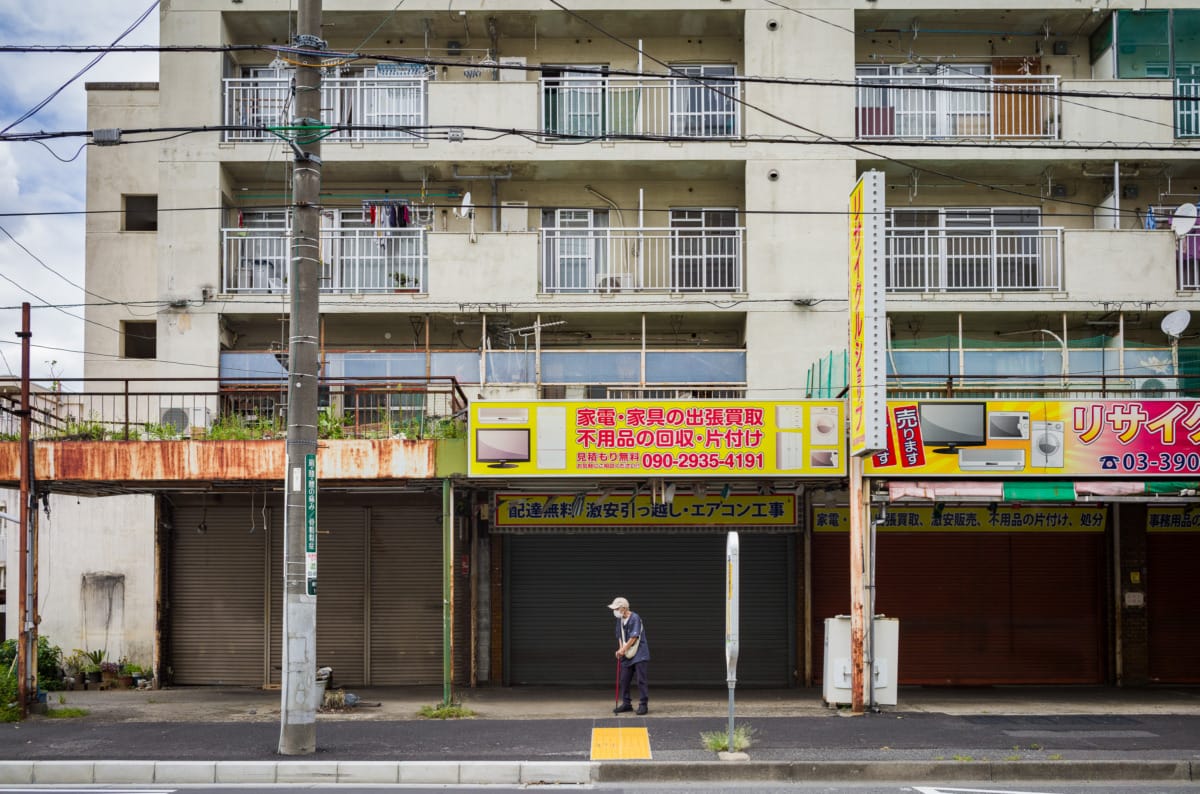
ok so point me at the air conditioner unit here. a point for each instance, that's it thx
(1151, 388)
(609, 283)
(186, 420)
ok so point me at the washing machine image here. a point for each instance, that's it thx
(1046, 445)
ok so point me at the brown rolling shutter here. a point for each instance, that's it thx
(1172, 595)
(978, 608)
(216, 590)
(406, 591)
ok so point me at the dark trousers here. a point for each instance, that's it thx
(627, 673)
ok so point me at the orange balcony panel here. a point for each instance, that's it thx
(130, 463)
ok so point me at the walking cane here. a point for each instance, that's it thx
(617, 687)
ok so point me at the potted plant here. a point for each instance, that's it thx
(92, 664)
(73, 669)
(109, 671)
(125, 673)
(402, 282)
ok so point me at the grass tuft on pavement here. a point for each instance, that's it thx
(66, 712)
(443, 712)
(718, 741)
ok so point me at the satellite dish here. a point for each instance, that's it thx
(1184, 219)
(1175, 323)
(466, 208)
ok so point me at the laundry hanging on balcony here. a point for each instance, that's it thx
(388, 214)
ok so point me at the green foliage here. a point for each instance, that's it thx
(718, 741)
(126, 434)
(49, 661)
(235, 427)
(444, 427)
(10, 436)
(9, 707)
(331, 425)
(81, 430)
(161, 432)
(442, 711)
(67, 712)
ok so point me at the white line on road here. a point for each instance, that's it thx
(940, 790)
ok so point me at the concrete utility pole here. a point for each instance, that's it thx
(27, 657)
(300, 692)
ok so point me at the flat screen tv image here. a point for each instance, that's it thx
(949, 426)
(502, 447)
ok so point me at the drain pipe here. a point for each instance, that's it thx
(493, 178)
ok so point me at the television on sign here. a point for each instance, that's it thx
(950, 425)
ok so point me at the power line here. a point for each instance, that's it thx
(33, 110)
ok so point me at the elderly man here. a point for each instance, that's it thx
(633, 652)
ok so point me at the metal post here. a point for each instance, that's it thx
(300, 692)
(447, 587)
(26, 600)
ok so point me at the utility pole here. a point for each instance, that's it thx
(300, 692)
(27, 600)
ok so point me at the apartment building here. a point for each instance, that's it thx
(639, 205)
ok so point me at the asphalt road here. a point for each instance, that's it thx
(757, 788)
(875, 737)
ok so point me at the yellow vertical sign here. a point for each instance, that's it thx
(867, 318)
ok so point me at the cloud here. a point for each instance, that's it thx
(32, 180)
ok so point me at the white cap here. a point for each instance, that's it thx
(619, 603)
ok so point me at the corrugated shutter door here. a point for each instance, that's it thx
(1172, 603)
(406, 592)
(216, 595)
(1020, 608)
(341, 583)
(559, 632)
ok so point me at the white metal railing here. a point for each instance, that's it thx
(390, 104)
(1187, 110)
(696, 259)
(1187, 255)
(609, 107)
(944, 259)
(352, 260)
(957, 106)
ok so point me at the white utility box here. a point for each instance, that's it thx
(836, 673)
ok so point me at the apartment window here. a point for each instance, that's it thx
(574, 100)
(1154, 43)
(705, 250)
(141, 213)
(704, 108)
(576, 250)
(139, 339)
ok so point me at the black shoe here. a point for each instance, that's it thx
(642, 709)
(622, 709)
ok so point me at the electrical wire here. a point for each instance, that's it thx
(33, 110)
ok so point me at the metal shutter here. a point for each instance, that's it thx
(216, 608)
(341, 584)
(406, 591)
(1171, 597)
(1020, 608)
(559, 632)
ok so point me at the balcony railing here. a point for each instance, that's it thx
(957, 106)
(695, 259)
(1187, 110)
(390, 104)
(251, 409)
(974, 260)
(611, 107)
(1188, 257)
(353, 260)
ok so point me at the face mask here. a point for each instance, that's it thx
(617, 613)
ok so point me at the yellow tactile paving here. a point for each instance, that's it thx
(624, 744)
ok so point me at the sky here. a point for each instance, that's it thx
(33, 181)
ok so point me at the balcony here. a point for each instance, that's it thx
(924, 106)
(353, 260)
(602, 260)
(599, 106)
(387, 102)
(941, 259)
(1187, 256)
(1187, 110)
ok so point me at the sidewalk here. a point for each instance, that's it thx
(535, 734)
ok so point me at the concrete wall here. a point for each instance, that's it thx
(96, 573)
(1117, 118)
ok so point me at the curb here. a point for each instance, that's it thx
(804, 771)
(354, 772)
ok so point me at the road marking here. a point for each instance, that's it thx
(1081, 734)
(99, 787)
(940, 790)
(624, 744)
